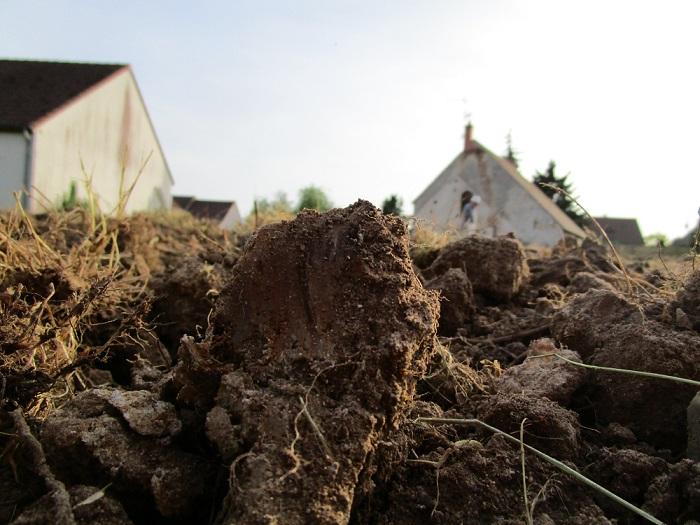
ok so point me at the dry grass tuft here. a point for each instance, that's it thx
(450, 378)
(425, 242)
(264, 217)
(75, 292)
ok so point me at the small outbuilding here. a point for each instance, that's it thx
(62, 123)
(621, 231)
(509, 202)
(224, 213)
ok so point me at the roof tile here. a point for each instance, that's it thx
(30, 90)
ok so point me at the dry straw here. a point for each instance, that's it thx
(75, 290)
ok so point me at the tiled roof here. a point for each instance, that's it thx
(214, 210)
(182, 201)
(621, 231)
(30, 90)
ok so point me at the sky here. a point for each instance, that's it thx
(366, 99)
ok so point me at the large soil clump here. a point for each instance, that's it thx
(496, 267)
(329, 329)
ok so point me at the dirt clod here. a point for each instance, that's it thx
(102, 511)
(689, 299)
(496, 267)
(456, 300)
(548, 376)
(654, 409)
(87, 443)
(626, 472)
(584, 323)
(674, 497)
(549, 427)
(319, 308)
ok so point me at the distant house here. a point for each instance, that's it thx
(510, 203)
(224, 213)
(621, 231)
(60, 122)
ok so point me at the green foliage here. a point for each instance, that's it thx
(564, 202)
(280, 204)
(656, 239)
(266, 211)
(393, 205)
(70, 201)
(313, 198)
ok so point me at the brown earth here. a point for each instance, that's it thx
(153, 370)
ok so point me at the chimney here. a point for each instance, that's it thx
(468, 133)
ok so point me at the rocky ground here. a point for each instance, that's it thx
(158, 370)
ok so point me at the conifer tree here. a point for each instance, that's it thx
(393, 205)
(562, 200)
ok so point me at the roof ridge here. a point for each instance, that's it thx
(67, 62)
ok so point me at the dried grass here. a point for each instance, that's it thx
(256, 220)
(75, 291)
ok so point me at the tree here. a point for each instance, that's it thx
(393, 205)
(280, 204)
(656, 239)
(313, 198)
(266, 211)
(511, 155)
(563, 200)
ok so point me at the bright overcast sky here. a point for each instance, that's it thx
(368, 98)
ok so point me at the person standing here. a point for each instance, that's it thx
(469, 213)
(466, 197)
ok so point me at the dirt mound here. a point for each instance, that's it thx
(318, 309)
(496, 267)
(165, 377)
(473, 482)
(610, 331)
(654, 409)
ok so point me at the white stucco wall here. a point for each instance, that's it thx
(108, 130)
(13, 158)
(231, 219)
(505, 207)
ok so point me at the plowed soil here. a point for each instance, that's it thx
(156, 370)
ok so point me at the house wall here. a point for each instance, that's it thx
(13, 159)
(440, 207)
(231, 219)
(105, 134)
(506, 206)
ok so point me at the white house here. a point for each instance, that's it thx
(62, 122)
(509, 202)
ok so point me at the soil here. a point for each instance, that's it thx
(155, 369)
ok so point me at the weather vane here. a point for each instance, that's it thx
(467, 113)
